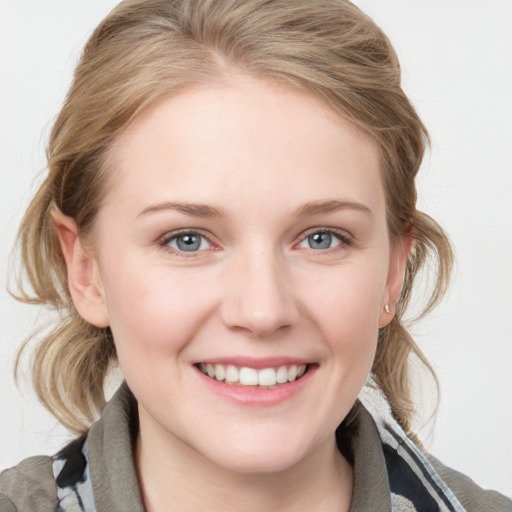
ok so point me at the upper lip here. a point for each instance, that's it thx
(254, 362)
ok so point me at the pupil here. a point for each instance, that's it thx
(320, 241)
(188, 242)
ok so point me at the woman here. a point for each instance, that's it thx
(230, 214)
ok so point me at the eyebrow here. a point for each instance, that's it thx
(208, 211)
(329, 206)
(191, 209)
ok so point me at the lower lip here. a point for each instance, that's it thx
(262, 397)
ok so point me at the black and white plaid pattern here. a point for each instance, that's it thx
(71, 471)
(415, 485)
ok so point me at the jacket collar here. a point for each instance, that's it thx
(114, 480)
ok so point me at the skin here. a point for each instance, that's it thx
(258, 154)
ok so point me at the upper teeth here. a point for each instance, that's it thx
(246, 376)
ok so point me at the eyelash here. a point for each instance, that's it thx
(345, 240)
(169, 237)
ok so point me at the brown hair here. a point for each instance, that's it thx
(147, 48)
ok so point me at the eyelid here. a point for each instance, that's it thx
(164, 240)
(345, 237)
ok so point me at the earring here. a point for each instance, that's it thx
(386, 309)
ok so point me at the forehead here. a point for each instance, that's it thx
(244, 140)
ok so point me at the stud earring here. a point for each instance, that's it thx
(386, 309)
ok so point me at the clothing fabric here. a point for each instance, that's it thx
(391, 474)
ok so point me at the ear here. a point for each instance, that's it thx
(395, 280)
(84, 279)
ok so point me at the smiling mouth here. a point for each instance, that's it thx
(264, 378)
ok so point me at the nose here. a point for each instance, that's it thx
(259, 296)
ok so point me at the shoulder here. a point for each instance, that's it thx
(28, 487)
(472, 497)
(415, 477)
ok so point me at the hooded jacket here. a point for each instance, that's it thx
(96, 473)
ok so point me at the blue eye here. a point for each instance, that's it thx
(188, 242)
(321, 240)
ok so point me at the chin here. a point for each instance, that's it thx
(256, 463)
(257, 455)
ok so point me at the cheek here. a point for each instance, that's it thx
(347, 303)
(154, 311)
(347, 314)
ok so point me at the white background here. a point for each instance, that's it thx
(457, 62)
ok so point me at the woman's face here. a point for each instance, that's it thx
(244, 235)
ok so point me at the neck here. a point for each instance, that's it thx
(176, 474)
